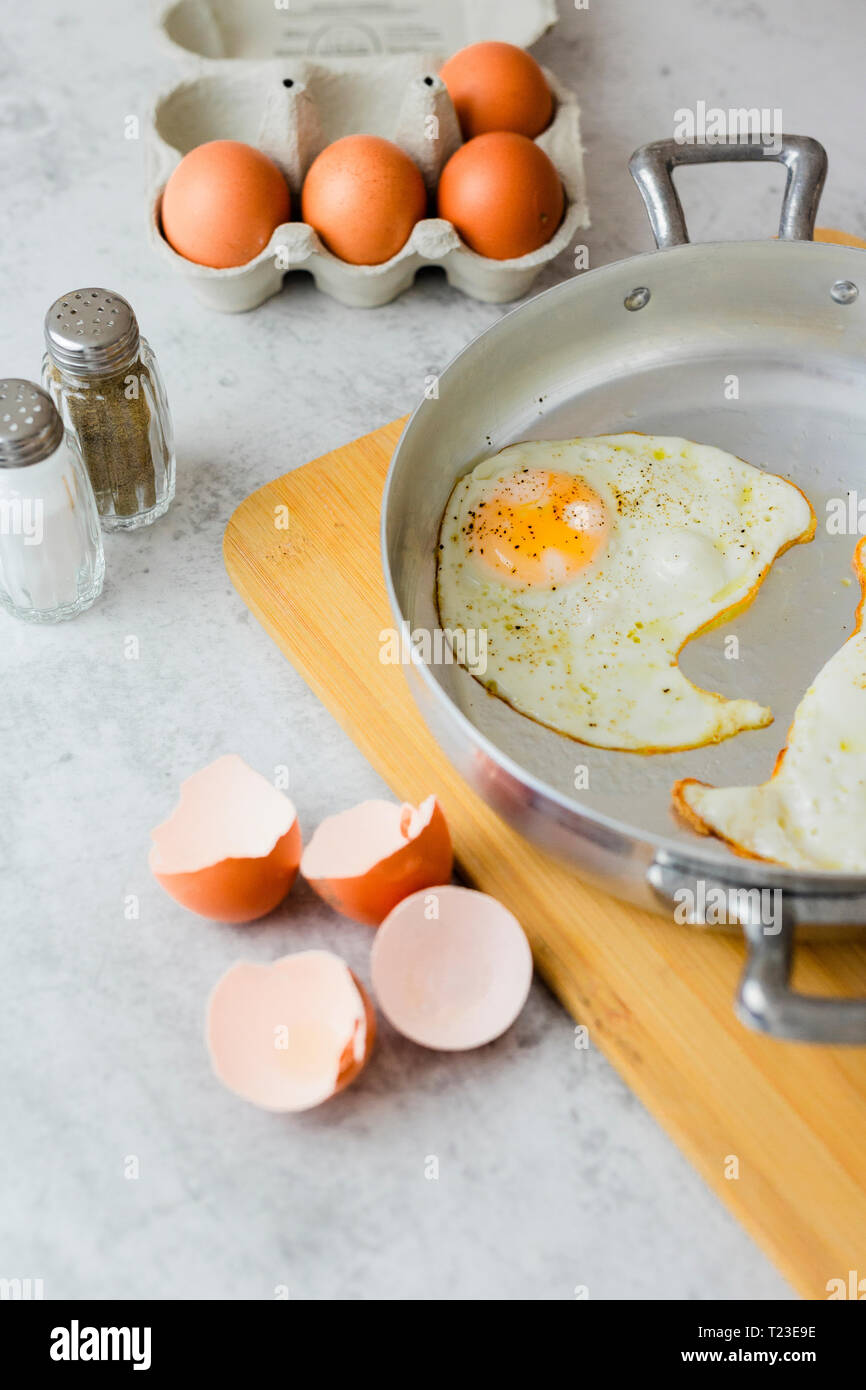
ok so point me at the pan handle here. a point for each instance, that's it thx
(652, 168)
(765, 1000)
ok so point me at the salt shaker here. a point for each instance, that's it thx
(105, 382)
(51, 560)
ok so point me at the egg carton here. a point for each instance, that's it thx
(291, 108)
(216, 30)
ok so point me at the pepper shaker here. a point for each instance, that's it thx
(104, 379)
(51, 559)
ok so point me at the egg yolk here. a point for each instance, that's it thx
(537, 528)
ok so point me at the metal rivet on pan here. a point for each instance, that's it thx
(638, 298)
(844, 291)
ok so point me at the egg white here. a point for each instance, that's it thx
(811, 814)
(692, 531)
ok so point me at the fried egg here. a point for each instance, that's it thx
(586, 564)
(811, 814)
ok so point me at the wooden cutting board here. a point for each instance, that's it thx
(303, 553)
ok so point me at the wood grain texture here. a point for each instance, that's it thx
(303, 553)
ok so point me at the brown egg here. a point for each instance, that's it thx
(495, 86)
(363, 196)
(222, 204)
(503, 195)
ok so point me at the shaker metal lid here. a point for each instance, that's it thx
(30, 427)
(92, 331)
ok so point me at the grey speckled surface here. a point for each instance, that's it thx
(551, 1174)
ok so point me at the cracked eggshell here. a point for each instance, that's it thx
(289, 1035)
(454, 980)
(231, 848)
(367, 859)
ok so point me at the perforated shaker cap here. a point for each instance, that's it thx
(30, 428)
(91, 332)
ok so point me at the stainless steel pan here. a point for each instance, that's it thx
(650, 344)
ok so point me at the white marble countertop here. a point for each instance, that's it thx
(552, 1175)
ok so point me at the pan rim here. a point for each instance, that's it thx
(731, 869)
